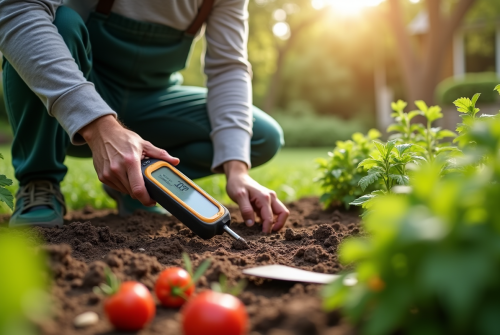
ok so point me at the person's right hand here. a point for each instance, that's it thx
(117, 154)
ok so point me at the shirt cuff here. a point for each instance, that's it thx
(230, 144)
(77, 108)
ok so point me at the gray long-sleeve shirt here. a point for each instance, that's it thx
(32, 45)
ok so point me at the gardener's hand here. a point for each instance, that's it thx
(117, 154)
(254, 198)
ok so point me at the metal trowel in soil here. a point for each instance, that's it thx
(287, 273)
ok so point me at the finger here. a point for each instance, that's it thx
(118, 175)
(265, 212)
(108, 178)
(281, 211)
(246, 208)
(136, 184)
(154, 152)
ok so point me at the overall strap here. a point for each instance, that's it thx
(203, 12)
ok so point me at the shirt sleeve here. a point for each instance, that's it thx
(31, 43)
(228, 71)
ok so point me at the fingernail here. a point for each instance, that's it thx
(249, 223)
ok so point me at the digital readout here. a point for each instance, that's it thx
(189, 195)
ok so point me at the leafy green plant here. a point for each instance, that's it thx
(429, 139)
(387, 165)
(5, 195)
(430, 263)
(468, 108)
(340, 174)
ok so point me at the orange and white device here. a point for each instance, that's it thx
(185, 200)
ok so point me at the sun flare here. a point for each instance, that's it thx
(346, 7)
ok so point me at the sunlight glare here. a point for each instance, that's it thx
(281, 30)
(346, 7)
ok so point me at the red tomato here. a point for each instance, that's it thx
(213, 313)
(131, 308)
(173, 287)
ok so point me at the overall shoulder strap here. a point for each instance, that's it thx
(203, 12)
(104, 6)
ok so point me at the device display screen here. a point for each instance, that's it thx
(185, 192)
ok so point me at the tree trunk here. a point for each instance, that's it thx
(422, 75)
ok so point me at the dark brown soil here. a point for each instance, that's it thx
(140, 246)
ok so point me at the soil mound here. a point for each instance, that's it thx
(140, 246)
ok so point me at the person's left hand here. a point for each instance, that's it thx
(253, 198)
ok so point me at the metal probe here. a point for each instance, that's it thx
(233, 234)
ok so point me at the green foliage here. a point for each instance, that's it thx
(451, 88)
(425, 137)
(340, 174)
(468, 109)
(5, 195)
(430, 263)
(309, 130)
(388, 165)
(22, 285)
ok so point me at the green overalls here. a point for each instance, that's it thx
(134, 66)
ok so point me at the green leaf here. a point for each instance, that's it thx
(201, 270)
(361, 200)
(403, 147)
(421, 105)
(412, 114)
(187, 263)
(445, 133)
(389, 146)
(475, 98)
(369, 179)
(399, 106)
(400, 179)
(7, 197)
(337, 173)
(395, 127)
(381, 148)
(1, 156)
(4, 181)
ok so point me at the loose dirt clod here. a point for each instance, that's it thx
(140, 246)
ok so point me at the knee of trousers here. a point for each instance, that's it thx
(268, 138)
(70, 26)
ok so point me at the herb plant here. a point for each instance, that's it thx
(430, 263)
(428, 138)
(388, 166)
(340, 174)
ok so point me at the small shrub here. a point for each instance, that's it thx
(430, 262)
(341, 173)
(451, 88)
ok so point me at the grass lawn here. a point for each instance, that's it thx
(290, 174)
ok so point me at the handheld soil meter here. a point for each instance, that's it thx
(185, 200)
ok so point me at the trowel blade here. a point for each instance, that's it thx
(282, 272)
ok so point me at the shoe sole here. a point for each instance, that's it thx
(49, 224)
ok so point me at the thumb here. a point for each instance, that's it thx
(154, 152)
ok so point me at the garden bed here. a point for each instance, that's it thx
(140, 246)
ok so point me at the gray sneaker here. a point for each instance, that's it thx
(38, 203)
(127, 206)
